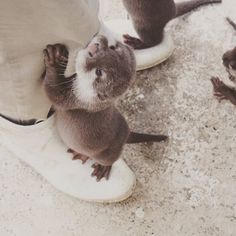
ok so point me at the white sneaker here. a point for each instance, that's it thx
(40, 147)
(146, 58)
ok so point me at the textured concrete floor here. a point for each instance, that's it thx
(186, 186)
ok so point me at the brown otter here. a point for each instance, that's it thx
(221, 90)
(150, 17)
(86, 117)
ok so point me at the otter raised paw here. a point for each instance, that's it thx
(55, 58)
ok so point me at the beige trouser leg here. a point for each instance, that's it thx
(26, 27)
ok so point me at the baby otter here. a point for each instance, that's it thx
(150, 18)
(86, 117)
(221, 90)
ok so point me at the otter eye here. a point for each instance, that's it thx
(98, 72)
(112, 47)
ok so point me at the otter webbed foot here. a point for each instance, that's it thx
(133, 42)
(101, 171)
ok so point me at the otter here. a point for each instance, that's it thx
(221, 90)
(86, 117)
(150, 18)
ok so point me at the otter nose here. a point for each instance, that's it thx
(93, 49)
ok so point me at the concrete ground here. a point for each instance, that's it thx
(186, 186)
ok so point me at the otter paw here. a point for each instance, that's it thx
(101, 171)
(56, 56)
(221, 91)
(218, 85)
(133, 42)
(78, 156)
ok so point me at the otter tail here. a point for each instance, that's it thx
(231, 22)
(187, 6)
(142, 138)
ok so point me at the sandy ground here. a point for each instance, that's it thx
(186, 186)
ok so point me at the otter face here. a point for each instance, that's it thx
(229, 61)
(104, 72)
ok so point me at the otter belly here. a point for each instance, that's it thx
(67, 134)
(76, 136)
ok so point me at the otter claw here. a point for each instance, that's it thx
(101, 171)
(56, 56)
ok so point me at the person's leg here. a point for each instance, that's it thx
(23, 38)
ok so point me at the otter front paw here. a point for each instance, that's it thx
(221, 91)
(133, 42)
(101, 171)
(55, 58)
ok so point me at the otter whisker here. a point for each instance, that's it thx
(63, 64)
(61, 68)
(62, 83)
(64, 59)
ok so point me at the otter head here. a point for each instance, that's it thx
(229, 61)
(104, 72)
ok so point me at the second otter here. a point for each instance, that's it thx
(150, 17)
